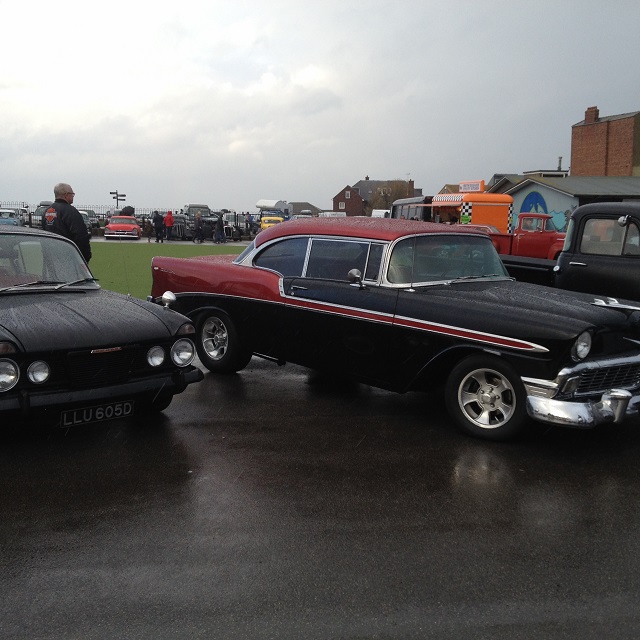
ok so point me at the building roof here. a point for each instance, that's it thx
(304, 206)
(587, 186)
(368, 188)
(620, 116)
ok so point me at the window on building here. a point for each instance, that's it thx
(341, 206)
(347, 195)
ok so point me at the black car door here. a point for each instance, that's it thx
(340, 327)
(606, 260)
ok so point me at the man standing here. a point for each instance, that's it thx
(158, 225)
(64, 219)
(168, 224)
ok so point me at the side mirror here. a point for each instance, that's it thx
(623, 221)
(355, 278)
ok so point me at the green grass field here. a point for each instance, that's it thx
(126, 266)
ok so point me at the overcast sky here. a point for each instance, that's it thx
(228, 102)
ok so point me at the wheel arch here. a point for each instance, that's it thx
(439, 367)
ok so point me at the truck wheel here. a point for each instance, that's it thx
(218, 344)
(486, 398)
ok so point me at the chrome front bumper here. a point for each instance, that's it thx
(613, 406)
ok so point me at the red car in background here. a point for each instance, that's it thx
(122, 227)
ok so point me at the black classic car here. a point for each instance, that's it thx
(72, 352)
(406, 305)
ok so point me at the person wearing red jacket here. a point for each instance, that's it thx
(168, 224)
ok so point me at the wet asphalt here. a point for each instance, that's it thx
(280, 504)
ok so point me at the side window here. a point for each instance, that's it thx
(373, 263)
(333, 259)
(632, 241)
(401, 263)
(286, 257)
(602, 237)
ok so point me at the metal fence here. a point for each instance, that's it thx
(101, 210)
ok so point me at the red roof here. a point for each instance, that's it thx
(358, 227)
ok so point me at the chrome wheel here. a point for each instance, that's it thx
(214, 338)
(486, 398)
(219, 346)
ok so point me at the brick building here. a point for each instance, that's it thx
(355, 200)
(607, 146)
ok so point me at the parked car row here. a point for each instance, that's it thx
(383, 302)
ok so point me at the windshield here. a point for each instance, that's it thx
(122, 221)
(30, 259)
(441, 257)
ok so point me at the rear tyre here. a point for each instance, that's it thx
(486, 398)
(218, 344)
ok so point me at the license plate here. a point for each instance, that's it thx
(98, 413)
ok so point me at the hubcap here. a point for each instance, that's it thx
(215, 340)
(486, 398)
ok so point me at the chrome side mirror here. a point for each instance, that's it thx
(623, 221)
(355, 278)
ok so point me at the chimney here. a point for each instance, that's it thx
(411, 189)
(559, 163)
(591, 115)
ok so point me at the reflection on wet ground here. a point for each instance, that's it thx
(276, 503)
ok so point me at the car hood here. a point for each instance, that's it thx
(524, 310)
(38, 321)
(122, 227)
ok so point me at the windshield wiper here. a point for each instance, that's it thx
(59, 284)
(69, 284)
(28, 284)
(484, 275)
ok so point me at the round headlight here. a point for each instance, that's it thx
(155, 356)
(9, 374)
(38, 372)
(582, 346)
(183, 352)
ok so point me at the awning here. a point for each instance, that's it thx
(447, 200)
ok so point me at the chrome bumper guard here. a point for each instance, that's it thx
(614, 406)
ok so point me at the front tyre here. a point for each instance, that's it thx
(154, 404)
(218, 344)
(486, 398)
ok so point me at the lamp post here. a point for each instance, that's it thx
(118, 197)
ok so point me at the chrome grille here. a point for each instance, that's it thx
(623, 376)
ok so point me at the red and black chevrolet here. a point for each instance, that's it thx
(411, 306)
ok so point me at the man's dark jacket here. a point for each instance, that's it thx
(64, 219)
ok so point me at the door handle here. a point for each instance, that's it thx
(578, 264)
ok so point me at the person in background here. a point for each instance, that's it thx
(148, 228)
(220, 237)
(65, 220)
(158, 225)
(168, 224)
(198, 233)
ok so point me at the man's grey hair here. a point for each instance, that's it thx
(61, 188)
